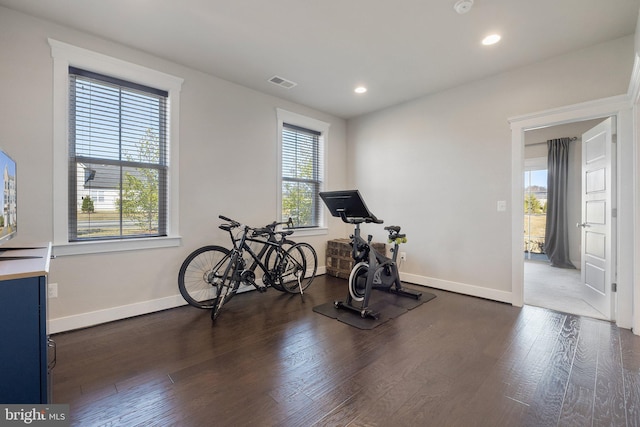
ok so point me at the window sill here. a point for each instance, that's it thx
(316, 231)
(82, 248)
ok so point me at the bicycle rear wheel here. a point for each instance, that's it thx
(201, 276)
(298, 268)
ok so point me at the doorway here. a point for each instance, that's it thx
(619, 107)
(545, 286)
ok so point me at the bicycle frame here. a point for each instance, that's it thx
(241, 245)
(271, 242)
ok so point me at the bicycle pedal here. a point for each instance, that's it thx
(261, 288)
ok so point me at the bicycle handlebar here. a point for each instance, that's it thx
(288, 223)
(269, 229)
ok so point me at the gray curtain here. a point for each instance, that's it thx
(556, 231)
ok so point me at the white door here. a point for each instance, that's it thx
(598, 217)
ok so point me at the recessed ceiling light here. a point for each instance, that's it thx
(360, 89)
(463, 6)
(492, 39)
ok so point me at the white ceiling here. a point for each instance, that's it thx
(399, 49)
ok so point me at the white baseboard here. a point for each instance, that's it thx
(83, 320)
(92, 318)
(460, 288)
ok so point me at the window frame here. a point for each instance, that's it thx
(294, 119)
(130, 95)
(65, 55)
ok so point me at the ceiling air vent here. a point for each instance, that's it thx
(287, 84)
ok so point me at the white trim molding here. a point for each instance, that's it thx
(284, 116)
(92, 318)
(85, 320)
(634, 96)
(619, 107)
(457, 287)
(65, 55)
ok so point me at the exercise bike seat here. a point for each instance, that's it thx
(394, 228)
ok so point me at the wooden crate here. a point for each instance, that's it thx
(339, 260)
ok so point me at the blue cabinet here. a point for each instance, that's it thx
(24, 373)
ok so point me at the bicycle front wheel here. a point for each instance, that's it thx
(201, 276)
(298, 268)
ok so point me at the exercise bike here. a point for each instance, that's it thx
(372, 270)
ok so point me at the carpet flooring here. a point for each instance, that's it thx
(556, 288)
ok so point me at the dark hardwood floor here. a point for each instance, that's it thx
(269, 360)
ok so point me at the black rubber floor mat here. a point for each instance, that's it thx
(386, 305)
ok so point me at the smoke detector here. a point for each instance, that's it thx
(463, 6)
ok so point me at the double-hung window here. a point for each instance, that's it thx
(115, 153)
(302, 177)
(118, 146)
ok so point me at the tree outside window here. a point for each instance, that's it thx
(535, 211)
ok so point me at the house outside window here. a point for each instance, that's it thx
(302, 174)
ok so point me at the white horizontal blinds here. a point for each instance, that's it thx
(301, 175)
(117, 158)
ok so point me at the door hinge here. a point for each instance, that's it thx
(614, 287)
(614, 213)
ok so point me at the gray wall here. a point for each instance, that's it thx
(223, 127)
(438, 165)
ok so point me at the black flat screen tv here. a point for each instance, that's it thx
(9, 218)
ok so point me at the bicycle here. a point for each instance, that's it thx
(267, 250)
(211, 275)
(193, 282)
(372, 270)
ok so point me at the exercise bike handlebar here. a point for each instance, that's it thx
(359, 220)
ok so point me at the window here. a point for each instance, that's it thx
(302, 177)
(535, 207)
(115, 154)
(117, 143)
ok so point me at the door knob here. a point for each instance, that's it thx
(582, 224)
